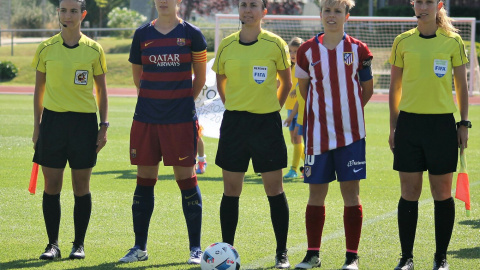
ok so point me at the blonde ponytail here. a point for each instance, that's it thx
(445, 22)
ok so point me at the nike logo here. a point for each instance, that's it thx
(313, 64)
(189, 197)
(355, 170)
(146, 44)
(180, 158)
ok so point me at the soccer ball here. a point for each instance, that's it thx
(220, 256)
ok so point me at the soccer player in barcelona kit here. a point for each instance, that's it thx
(335, 78)
(65, 121)
(165, 123)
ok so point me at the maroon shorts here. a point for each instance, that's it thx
(175, 143)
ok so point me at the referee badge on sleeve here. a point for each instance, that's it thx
(81, 77)
(259, 74)
(440, 67)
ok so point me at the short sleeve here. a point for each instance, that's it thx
(135, 51)
(396, 57)
(38, 62)
(219, 63)
(365, 56)
(301, 70)
(459, 56)
(199, 43)
(100, 66)
(283, 58)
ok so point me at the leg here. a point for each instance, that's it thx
(411, 188)
(191, 203)
(441, 188)
(232, 188)
(352, 215)
(315, 215)
(201, 159)
(143, 203)
(279, 211)
(51, 202)
(83, 203)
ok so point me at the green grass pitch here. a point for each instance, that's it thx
(110, 234)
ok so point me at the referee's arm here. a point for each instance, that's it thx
(40, 81)
(221, 83)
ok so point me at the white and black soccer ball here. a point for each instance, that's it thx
(220, 256)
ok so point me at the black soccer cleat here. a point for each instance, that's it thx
(52, 252)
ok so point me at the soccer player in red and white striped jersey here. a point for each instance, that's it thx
(335, 78)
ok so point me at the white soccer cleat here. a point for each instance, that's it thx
(195, 256)
(135, 254)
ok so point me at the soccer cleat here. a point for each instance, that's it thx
(195, 256)
(281, 260)
(351, 262)
(440, 263)
(291, 174)
(78, 252)
(52, 252)
(201, 167)
(135, 254)
(405, 264)
(310, 261)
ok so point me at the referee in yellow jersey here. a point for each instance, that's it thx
(65, 121)
(423, 133)
(247, 64)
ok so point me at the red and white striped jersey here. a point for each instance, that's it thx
(333, 109)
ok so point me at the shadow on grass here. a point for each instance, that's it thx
(466, 253)
(34, 263)
(474, 223)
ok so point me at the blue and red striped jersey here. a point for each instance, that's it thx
(166, 92)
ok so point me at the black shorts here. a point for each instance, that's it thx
(245, 136)
(66, 136)
(426, 142)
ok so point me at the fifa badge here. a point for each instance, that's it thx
(440, 67)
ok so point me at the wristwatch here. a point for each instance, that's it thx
(465, 123)
(106, 124)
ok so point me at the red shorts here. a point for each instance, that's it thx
(176, 143)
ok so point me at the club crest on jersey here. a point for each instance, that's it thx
(259, 74)
(81, 77)
(440, 67)
(133, 153)
(180, 41)
(307, 170)
(348, 58)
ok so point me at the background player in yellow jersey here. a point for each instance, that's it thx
(297, 141)
(423, 134)
(65, 121)
(247, 65)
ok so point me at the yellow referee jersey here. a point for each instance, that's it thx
(427, 70)
(69, 73)
(251, 71)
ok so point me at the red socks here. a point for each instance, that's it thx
(352, 220)
(314, 221)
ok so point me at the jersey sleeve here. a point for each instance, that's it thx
(199, 47)
(283, 57)
(135, 49)
(38, 62)
(459, 56)
(219, 63)
(100, 66)
(302, 66)
(396, 57)
(365, 57)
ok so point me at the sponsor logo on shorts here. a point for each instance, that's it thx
(357, 170)
(182, 158)
(81, 77)
(133, 153)
(307, 170)
(355, 163)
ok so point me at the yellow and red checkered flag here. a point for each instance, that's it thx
(463, 186)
